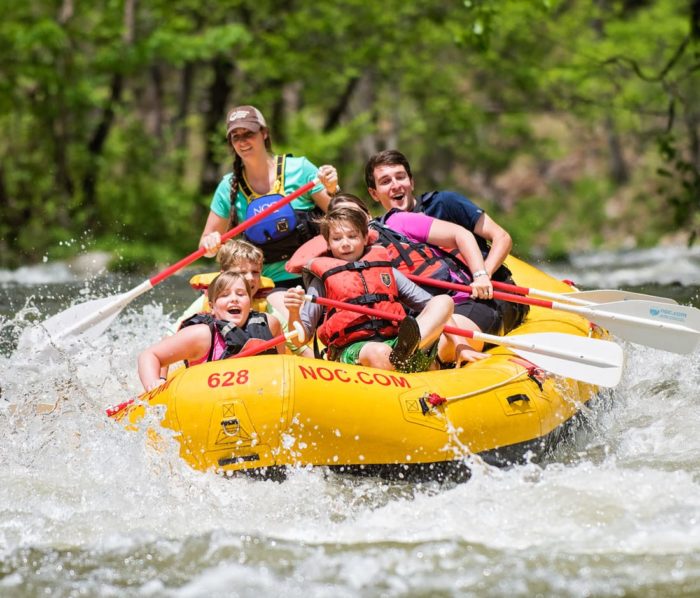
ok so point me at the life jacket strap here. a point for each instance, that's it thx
(279, 179)
(370, 298)
(356, 266)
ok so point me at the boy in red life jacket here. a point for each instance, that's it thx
(208, 337)
(442, 268)
(356, 273)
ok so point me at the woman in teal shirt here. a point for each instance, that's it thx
(258, 172)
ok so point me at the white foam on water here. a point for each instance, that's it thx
(39, 274)
(615, 510)
(607, 269)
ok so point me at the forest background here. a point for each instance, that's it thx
(574, 123)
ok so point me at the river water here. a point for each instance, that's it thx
(87, 509)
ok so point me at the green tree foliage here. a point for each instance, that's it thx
(573, 122)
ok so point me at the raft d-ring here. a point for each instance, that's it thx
(231, 427)
(595, 331)
(430, 399)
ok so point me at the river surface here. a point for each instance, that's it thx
(87, 509)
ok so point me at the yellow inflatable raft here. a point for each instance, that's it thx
(264, 413)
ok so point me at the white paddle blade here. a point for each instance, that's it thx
(589, 360)
(90, 319)
(611, 295)
(85, 321)
(674, 328)
(69, 322)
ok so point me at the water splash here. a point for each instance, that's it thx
(608, 269)
(86, 507)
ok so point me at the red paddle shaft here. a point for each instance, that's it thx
(378, 313)
(186, 261)
(453, 286)
(261, 346)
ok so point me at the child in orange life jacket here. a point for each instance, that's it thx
(433, 237)
(464, 350)
(208, 337)
(360, 274)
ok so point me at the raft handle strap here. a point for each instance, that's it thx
(429, 400)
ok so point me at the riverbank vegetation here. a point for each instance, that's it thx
(575, 123)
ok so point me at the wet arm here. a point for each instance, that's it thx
(498, 237)
(211, 235)
(276, 330)
(453, 236)
(328, 176)
(189, 343)
(307, 314)
(321, 199)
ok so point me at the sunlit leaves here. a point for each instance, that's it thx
(471, 90)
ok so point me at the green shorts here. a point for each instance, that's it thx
(420, 361)
(351, 353)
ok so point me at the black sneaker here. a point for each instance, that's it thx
(406, 343)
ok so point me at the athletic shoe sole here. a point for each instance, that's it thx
(407, 342)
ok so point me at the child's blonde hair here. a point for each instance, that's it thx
(233, 253)
(222, 282)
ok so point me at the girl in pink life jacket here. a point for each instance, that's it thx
(356, 272)
(222, 334)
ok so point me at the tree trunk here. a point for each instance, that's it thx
(66, 11)
(341, 107)
(8, 221)
(694, 128)
(618, 166)
(365, 99)
(59, 128)
(217, 96)
(98, 139)
(62, 177)
(277, 118)
(156, 109)
(183, 107)
(99, 136)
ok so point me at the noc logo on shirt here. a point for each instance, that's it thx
(262, 207)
